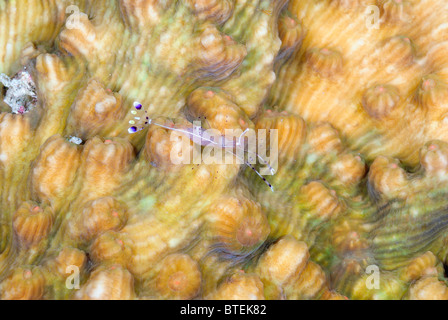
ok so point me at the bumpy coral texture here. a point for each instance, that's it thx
(374, 69)
(359, 192)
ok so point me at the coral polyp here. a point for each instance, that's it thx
(114, 114)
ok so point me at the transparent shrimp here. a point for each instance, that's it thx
(141, 120)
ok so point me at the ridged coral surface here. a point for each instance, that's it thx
(92, 205)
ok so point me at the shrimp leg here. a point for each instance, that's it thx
(252, 167)
(238, 145)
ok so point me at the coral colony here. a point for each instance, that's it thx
(347, 200)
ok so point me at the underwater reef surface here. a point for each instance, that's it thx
(92, 205)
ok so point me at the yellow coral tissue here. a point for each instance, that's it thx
(224, 149)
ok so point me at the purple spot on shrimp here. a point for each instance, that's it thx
(137, 105)
(132, 130)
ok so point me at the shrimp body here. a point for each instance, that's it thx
(201, 137)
